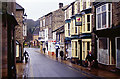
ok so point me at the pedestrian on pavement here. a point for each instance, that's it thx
(26, 56)
(44, 49)
(66, 55)
(57, 53)
(90, 60)
(61, 53)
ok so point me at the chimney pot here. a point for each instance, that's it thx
(60, 5)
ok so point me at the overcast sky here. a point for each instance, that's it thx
(37, 8)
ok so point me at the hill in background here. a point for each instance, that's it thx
(31, 25)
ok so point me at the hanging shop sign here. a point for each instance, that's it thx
(78, 20)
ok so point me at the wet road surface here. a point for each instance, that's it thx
(41, 66)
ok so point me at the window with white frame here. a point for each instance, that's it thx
(83, 22)
(40, 23)
(87, 3)
(68, 29)
(75, 27)
(81, 5)
(103, 50)
(43, 33)
(44, 22)
(88, 22)
(118, 52)
(103, 16)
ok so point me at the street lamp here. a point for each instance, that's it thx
(25, 16)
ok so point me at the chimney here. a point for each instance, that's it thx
(60, 5)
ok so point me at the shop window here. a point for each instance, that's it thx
(118, 52)
(103, 50)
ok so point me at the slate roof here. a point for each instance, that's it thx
(19, 7)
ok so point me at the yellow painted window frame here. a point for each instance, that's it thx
(86, 51)
(74, 49)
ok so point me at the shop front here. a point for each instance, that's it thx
(108, 46)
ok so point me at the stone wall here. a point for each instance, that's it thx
(19, 28)
(58, 18)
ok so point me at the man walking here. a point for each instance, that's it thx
(61, 53)
(26, 56)
(90, 59)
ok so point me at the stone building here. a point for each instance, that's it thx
(107, 34)
(78, 30)
(35, 37)
(42, 33)
(58, 22)
(7, 40)
(19, 32)
(48, 25)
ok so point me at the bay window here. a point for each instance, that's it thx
(103, 50)
(118, 52)
(103, 16)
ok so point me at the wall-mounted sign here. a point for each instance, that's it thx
(78, 20)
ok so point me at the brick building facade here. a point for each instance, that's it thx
(19, 32)
(8, 40)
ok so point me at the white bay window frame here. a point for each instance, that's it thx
(117, 53)
(107, 16)
(100, 55)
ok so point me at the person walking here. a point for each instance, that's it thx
(61, 53)
(44, 49)
(90, 60)
(66, 55)
(57, 53)
(26, 56)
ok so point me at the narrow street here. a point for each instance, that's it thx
(41, 66)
